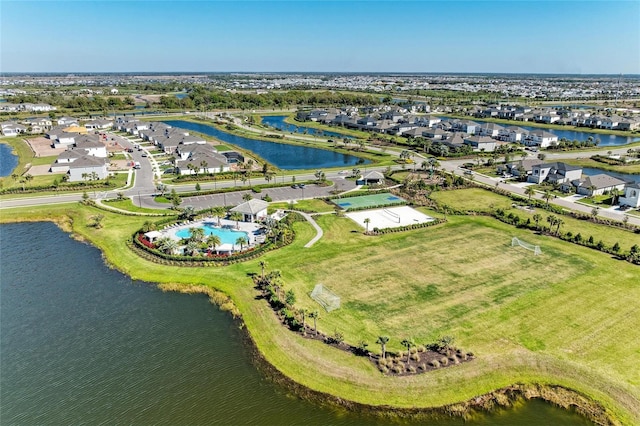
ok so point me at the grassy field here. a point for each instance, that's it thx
(564, 317)
(476, 198)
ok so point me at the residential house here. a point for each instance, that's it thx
(511, 134)
(465, 126)
(91, 145)
(67, 121)
(519, 168)
(435, 134)
(547, 117)
(10, 128)
(98, 124)
(84, 167)
(554, 173)
(490, 129)
(201, 159)
(595, 185)
(481, 143)
(631, 196)
(64, 139)
(540, 138)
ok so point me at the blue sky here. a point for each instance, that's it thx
(581, 37)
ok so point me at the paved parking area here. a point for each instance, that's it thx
(42, 147)
(277, 194)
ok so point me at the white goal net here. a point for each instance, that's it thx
(395, 216)
(518, 242)
(325, 297)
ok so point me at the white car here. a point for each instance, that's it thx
(343, 172)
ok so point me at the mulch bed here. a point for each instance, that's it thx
(421, 360)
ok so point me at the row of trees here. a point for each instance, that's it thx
(207, 99)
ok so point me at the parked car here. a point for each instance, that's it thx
(294, 186)
(130, 150)
(144, 154)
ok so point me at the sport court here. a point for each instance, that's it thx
(364, 201)
(392, 217)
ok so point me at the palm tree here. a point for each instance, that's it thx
(237, 216)
(191, 248)
(263, 265)
(552, 220)
(315, 315)
(537, 218)
(197, 234)
(218, 212)
(366, 222)
(547, 196)
(247, 196)
(408, 343)
(382, 341)
(213, 241)
(559, 223)
(303, 314)
(530, 192)
(167, 245)
(595, 211)
(615, 194)
(241, 241)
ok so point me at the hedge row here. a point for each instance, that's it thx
(377, 231)
(60, 188)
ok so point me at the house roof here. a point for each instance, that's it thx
(374, 175)
(252, 206)
(600, 181)
(87, 161)
(558, 166)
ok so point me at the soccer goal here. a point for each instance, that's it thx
(394, 215)
(518, 242)
(325, 297)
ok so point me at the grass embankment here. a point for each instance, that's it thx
(25, 155)
(480, 199)
(128, 205)
(560, 318)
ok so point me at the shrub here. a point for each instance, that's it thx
(444, 360)
(435, 363)
(399, 368)
(415, 357)
(422, 366)
(384, 369)
(420, 348)
(411, 369)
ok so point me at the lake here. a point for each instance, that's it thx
(281, 155)
(277, 121)
(8, 160)
(571, 135)
(85, 344)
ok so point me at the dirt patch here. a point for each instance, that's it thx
(42, 170)
(120, 165)
(41, 146)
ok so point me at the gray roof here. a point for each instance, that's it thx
(601, 181)
(252, 206)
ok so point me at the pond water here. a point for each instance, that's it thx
(281, 155)
(85, 344)
(277, 121)
(8, 160)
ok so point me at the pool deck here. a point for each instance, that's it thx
(248, 227)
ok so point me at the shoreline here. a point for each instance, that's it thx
(505, 397)
(558, 394)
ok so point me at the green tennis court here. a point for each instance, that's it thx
(364, 201)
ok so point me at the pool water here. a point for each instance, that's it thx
(227, 236)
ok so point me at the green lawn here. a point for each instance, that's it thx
(481, 199)
(127, 204)
(588, 162)
(565, 317)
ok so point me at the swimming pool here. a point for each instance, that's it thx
(227, 236)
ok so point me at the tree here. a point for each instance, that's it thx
(382, 341)
(408, 343)
(595, 211)
(191, 248)
(367, 221)
(303, 313)
(198, 186)
(96, 221)
(529, 191)
(237, 216)
(167, 245)
(218, 212)
(547, 196)
(615, 194)
(213, 241)
(315, 315)
(197, 234)
(290, 297)
(247, 196)
(241, 241)
(537, 218)
(263, 265)
(559, 223)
